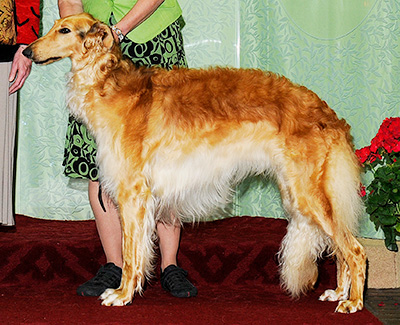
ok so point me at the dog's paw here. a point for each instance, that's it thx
(349, 306)
(332, 295)
(115, 297)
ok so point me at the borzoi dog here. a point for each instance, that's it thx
(173, 144)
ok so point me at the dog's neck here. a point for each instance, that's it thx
(87, 74)
(76, 97)
(93, 79)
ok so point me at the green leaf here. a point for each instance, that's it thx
(371, 209)
(378, 198)
(388, 220)
(390, 239)
(394, 196)
(385, 174)
(396, 165)
(380, 173)
(392, 246)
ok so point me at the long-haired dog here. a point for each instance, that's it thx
(173, 144)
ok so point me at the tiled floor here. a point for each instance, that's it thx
(384, 304)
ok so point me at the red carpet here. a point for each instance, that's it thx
(231, 261)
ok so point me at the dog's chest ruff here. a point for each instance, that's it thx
(76, 99)
(84, 103)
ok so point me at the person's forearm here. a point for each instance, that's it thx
(20, 69)
(139, 13)
(69, 7)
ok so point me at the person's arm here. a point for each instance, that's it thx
(138, 14)
(26, 33)
(20, 69)
(69, 7)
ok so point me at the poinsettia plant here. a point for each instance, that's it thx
(382, 195)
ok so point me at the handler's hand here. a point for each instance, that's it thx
(21, 67)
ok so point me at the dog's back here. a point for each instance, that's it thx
(246, 119)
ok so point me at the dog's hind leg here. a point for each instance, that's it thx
(342, 188)
(137, 221)
(338, 194)
(352, 275)
(343, 281)
(323, 194)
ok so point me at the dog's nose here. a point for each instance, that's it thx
(27, 52)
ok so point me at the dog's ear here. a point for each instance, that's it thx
(108, 37)
(99, 34)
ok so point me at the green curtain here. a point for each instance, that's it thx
(346, 51)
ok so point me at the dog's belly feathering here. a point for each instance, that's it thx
(196, 184)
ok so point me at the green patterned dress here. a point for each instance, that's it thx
(165, 50)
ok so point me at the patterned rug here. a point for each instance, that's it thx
(232, 262)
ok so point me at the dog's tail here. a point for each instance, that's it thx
(303, 244)
(342, 188)
(329, 218)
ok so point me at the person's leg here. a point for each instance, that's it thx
(110, 233)
(173, 278)
(8, 120)
(169, 236)
(108, 224)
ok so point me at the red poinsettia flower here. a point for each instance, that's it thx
(387, 139)
(396, 148)
(363, 154)
(363, 192)
(381, 195)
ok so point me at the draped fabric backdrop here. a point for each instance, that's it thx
(346, 51)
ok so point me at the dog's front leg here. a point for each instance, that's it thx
(137, 250)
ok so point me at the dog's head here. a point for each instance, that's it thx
(72, 37)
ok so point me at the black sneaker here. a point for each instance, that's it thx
(174, 280)
(108, 276)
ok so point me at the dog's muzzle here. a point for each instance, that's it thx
(30, 55)
(28, 52)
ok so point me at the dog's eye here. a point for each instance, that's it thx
(64, 30)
